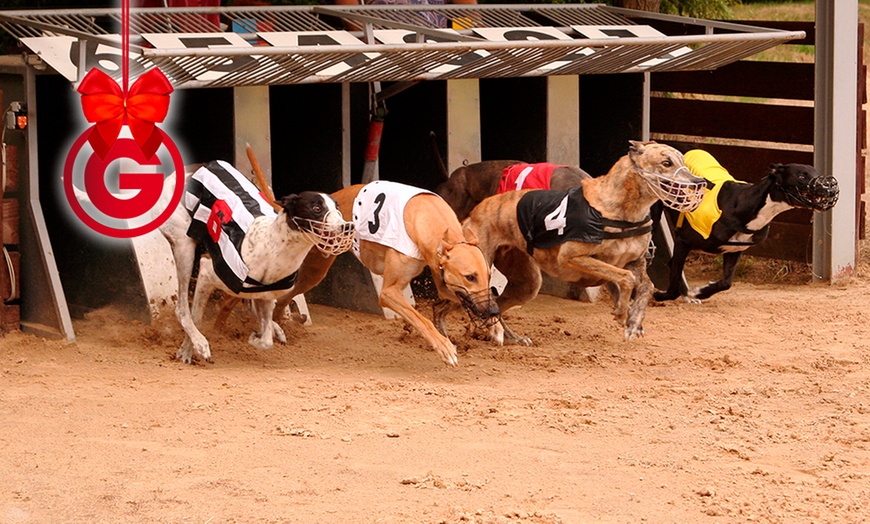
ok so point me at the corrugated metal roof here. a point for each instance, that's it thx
(235, 46)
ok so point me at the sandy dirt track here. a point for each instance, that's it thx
(752, 407)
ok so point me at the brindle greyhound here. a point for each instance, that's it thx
(612, 253)
(468, 185)
(743, 219)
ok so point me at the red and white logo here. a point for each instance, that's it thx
(124, 176)
(124, 194)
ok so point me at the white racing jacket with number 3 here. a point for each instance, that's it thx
(378, 216)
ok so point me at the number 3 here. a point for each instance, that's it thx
(556, 219)
(374, 226)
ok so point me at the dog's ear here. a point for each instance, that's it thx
(445, 246)
(637, 148)
(775, 170)
(470, 237)
(289, 203)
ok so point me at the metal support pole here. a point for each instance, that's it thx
(835, 153)
(378, 110)
(345, 135)
(48, 266)
(81, 68)
(463, 122)
(664, 226)
(645, 109)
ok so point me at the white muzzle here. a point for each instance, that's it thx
(681, 195)
(330, 237)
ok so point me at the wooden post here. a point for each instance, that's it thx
(10, 315)
(563, 120)
(251, 126)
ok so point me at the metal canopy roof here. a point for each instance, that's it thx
(236, 46)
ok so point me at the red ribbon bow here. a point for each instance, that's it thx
(146, 104)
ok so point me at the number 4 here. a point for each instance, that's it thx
(556, 219)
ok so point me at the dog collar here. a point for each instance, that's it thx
(629, 229)
(254, 286)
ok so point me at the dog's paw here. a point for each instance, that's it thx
(522, 341)
(447, 351)
(185, 356)
(496, 334)
(204, 354)
(260, 341)
(512, 338)
(188, 353)
(296, 315)
(692, 297)
(517, 340)
(620, 315)
(201, 349)
(662, 296)
(633, 332)
(278, 333)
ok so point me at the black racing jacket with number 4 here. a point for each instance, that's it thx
(548, 218)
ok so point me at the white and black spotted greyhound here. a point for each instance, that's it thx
(255, 252)
(735, 216)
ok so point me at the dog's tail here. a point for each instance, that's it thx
(262, 184)
(442, 167)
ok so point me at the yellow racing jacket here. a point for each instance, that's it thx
(702, 164)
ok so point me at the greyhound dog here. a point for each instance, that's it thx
(596, 233)
(735, 216)
(255, 252)
(399, 231)
(468, 185)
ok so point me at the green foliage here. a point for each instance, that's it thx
(709, 9)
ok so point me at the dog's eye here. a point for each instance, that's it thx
(667, 163)
(317, 208)
(471, 278)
